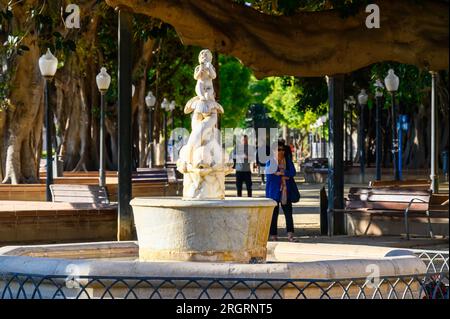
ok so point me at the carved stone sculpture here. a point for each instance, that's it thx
(202, 160)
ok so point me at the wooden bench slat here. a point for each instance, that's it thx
(388, 191)
(386, 205)
(420, 182)
(79, 193)
(387, 198)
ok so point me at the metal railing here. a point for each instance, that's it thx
(23, 286)
(432, 285)
(436, 261)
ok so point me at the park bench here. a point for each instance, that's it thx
(156, 174)
(70, 193)
(146, 182)
(410, 184)
(315, 164)
(396, 202)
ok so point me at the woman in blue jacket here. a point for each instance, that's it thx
(281, 187)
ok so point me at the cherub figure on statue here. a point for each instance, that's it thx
(198, 151)
(202, 160)
(205, 101)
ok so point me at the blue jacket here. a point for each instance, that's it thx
(273, 186)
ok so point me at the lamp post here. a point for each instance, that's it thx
(317, 125)
(351, 102)
(392, 82)
(323, 121)
(150, 101)
(434, 164)
(345, 130)
(315, 148)
(103, 82)
(48, 65)
(362, 101)
(172, 107)
(402, 125)
(165, 106)
(379, 100)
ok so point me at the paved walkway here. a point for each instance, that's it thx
(306, 212)
(306, 215)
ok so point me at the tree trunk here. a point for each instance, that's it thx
(23, 119)
(139, 106)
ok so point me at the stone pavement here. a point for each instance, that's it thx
(307, 220)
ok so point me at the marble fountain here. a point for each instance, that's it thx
(203, 237)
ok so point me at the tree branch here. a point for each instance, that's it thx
(309, 43)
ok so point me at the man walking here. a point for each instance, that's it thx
(243, 170)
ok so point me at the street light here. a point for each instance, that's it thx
(165, 106)
(172, 107)
(318, 124)
(351, 102)
(434, 175)
(362, 101)
(379, 99)
(346, 130)
(150, 101)
(323, 120)
(392, 83)
(48, 64)
(103, 80)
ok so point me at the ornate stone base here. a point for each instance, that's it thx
(204, 187)
(231, 230)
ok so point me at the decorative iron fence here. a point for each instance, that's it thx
(432, 285)
(436, 261)
(22, 286)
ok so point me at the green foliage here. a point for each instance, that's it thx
(234, 81)
(296, 103)
(171, 73)
(259, 89)
(46, 17)
(11, 48)
(290, 7)
(414, 84)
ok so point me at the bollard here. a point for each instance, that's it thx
(445, 164)
(323, 212)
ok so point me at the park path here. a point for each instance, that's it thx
(306, 215)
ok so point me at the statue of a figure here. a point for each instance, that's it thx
(202, 160)
(205, 73)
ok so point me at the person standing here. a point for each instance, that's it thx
(243, 169)
(281, 187)
(261, 163)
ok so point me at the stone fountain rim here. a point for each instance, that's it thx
(15, 259)
(178, 202)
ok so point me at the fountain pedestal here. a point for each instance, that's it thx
(232, 230)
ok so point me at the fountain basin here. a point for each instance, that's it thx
(310, 267)
(231, 230)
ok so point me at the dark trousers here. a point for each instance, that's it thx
(287, 209)
(241, 178)
(262, 174)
